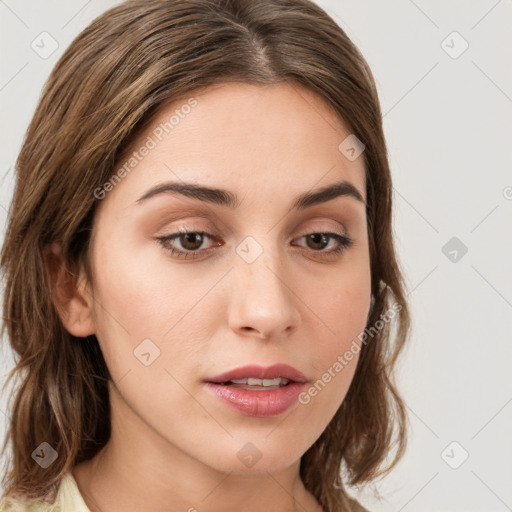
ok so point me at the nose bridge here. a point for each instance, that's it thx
(263, 299)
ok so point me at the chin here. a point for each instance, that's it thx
(255, 458)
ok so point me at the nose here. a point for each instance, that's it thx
(263, 303)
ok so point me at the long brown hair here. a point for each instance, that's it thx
(109, 82)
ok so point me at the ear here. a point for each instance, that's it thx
(70, 294)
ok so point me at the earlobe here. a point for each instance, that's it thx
(70, 295)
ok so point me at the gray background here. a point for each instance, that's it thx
(448, 123)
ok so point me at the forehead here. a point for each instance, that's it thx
(279, 139)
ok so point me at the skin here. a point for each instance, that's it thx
(174, 445)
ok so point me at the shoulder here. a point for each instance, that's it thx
(9, 504)
(68, 498)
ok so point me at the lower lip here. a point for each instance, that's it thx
(261, 404)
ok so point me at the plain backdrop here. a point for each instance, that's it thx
(445, 84)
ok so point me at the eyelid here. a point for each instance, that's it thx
(212, 231)
(343, 243)
(314, 229)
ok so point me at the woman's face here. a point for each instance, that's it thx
(263, 286)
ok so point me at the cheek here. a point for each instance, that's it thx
(342, 308)
(145, 306)
(138, 290)
(342, 303)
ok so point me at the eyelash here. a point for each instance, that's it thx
(344, 243)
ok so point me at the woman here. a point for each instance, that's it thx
(201, 281)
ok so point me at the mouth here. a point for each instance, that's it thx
(258, 391)
(259, 377)
(254, 384)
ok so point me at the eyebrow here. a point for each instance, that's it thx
(229, 199)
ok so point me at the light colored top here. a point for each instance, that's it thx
(68, 499)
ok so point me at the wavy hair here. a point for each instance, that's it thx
(110, 81)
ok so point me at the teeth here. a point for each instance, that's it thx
(250, 381)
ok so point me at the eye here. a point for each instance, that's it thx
(318, 241)
(192, 241)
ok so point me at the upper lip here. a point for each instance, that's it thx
(260, 372)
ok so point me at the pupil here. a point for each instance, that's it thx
(318, 238)
(191, 241)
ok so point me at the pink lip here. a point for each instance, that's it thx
(259, 403)
(260, 372)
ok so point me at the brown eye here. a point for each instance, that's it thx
(191, 241)
(186, 244)
(317, 242)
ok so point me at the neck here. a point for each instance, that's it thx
(140, 470)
